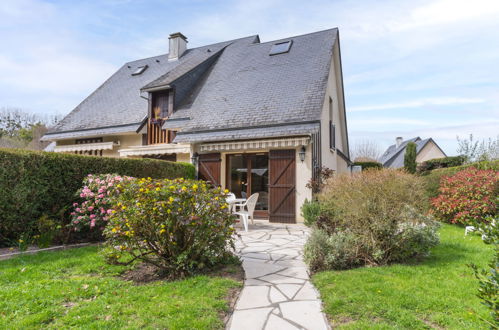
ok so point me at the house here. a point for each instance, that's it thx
(426, 149)
(252, 116)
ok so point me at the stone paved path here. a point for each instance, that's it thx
(277, 292)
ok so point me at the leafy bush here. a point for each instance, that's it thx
(376, 217)
(467, 196)
(33, 184)
(432, 179)
(180, 226)
(488, 279)
(97, 194)
(310, 210)
(445, 162)
(366, 165)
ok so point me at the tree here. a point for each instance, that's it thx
(410, 158)
(366, 150)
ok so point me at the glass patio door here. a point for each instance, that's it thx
(248, 174)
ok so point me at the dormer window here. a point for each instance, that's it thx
(139, 70)
(280, 48)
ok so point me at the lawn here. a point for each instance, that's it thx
(76, 288)
(438, 292)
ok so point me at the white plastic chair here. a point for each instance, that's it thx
(246, 210)
(230, 198)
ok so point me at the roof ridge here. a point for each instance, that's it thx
(209, 45)
(296, 36)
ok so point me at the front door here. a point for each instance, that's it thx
(248, 174)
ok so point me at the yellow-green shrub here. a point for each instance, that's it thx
(180, 226)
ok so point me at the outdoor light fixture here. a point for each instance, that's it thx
(302, 153)
(194, 158)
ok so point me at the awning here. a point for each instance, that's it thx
(256, 144)
(156, 149)
(86, 147)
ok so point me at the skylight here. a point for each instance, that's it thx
(139, 70)
(281, 47)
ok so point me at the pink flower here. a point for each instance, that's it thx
(101, 196)
(73, 213)
(109, 211)
(92, 223)
(79, 218)
(92, 216)
(82, 195)
(78, 209)
(76, 222)
(90, 208)
(75, 204)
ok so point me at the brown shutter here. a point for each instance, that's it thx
(282, 186)
(210, 168)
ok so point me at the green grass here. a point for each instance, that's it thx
(75, 288)
(438, 292)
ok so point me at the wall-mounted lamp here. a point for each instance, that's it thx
(195, 158)
(302, 153)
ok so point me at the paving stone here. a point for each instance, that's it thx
(276, 296)
(305, 313)
(277, 293)
(277, 323)
(257, 268)
(296, 272)
(308, 292)
(253, 297)
(278, 279)
(249, 319)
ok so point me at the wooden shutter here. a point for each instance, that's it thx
(282, 186)
(209, 168)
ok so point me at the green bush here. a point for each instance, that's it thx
(366, 165)
(310, 210)
(371, 218)
(33, 184)
(180, 226)
(445, 162)
(432, 179)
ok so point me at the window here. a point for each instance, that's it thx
(332, 128)
(139, 70)
(281, 47)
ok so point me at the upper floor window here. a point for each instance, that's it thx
(281, 47)
(332, 127)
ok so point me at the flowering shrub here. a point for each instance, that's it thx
(467, 196)
(97, 193)
(370, 218)
(180, 226)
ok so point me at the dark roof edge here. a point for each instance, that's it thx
(296, 36)
(250, 127)
(345, 157)
(93, 128)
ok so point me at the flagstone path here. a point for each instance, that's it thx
(277, 292)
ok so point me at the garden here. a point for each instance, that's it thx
(160, 253)
(388, 248)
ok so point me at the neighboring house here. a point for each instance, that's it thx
(254, 117)
(425, 150)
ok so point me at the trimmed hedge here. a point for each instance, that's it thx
(444, 162)
(34, 184)
(432, 179)
(366, 165)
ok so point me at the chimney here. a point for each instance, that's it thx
(178, 45)
(398, 141)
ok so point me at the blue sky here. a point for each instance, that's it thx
(411, 68)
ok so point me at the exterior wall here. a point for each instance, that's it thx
(303, 175)
(186, 158)
(430, 151)
(334, 91)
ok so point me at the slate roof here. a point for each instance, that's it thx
(394, 156)
(249, 133)
(240, 86)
